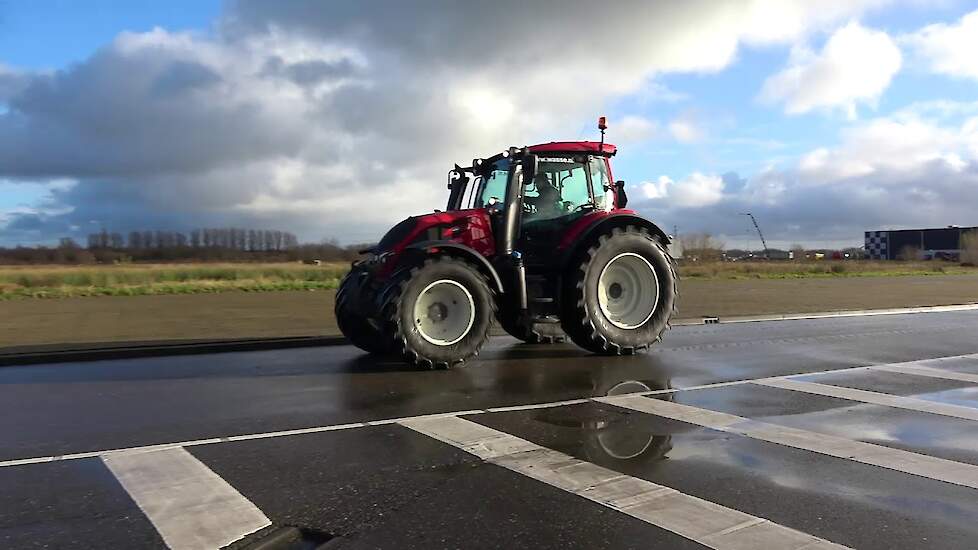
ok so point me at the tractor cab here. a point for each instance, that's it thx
(533, 194)
(536, 237)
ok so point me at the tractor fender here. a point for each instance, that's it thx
(458, 250)
(605, 224)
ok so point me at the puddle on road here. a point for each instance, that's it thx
(916, 431)
(965, 397)
(723, 467)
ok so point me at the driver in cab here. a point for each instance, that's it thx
(547, 203)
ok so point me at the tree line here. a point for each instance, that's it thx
(246, 240)
(208, 244)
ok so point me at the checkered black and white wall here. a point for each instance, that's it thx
(877, 245)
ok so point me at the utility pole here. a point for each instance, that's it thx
(759, 234)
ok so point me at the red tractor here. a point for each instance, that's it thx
(537, 237)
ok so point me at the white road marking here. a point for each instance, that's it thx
(930, 467)
(833, 314)
(896, 367)
(922, 370)
(539, 405)
(699, 520)
(191, 506)
(876, 398)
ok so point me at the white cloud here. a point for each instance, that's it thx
(632, 129)
(887, 145)
(949, 49)
(685, 130)
(656, 189)
(696, 191)
(894, 171)
(291, 114)
(855, 66)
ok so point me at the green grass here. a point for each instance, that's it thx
(149, 279)
(818, 269)
(133, 280)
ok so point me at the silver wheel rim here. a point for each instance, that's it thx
(444, 312)
(628, 290)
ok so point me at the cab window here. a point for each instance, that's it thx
(599, 180)
(559, 188)
(493, 185)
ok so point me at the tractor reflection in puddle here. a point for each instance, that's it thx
(606, 435)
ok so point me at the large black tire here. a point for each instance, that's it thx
(351, 323)
(457, 342)
(531, 333)
(582, 316)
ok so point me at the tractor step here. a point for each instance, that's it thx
(542, 300)
(546, 320)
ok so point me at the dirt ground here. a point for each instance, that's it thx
(244, 315)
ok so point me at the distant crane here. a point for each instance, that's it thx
(759, 234)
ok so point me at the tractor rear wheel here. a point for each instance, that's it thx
(531, 333)
(440, 312)
(622, 294)
(354, 326)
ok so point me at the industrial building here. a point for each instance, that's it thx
(925, 243)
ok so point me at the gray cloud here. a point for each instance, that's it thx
(335, 120)
(841, 212)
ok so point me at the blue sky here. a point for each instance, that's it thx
(51, 34)
(292, 114)
(728, 100)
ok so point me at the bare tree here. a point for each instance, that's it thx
(969, 248)
(909, 253)
(701, 247)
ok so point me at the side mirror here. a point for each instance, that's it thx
(529, 167)
(621, 198)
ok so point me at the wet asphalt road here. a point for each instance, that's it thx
(389, 486)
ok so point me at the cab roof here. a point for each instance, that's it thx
(574, 147)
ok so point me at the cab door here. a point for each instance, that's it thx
(559, 193)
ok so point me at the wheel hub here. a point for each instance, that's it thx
(628, 290)
(444, 312)
(437, 312)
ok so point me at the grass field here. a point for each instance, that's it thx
(151, 279)
(814, 269)
(234, 315)
(156, 279)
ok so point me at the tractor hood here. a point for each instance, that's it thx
(456, 225)
(397, 234)
(468, 227)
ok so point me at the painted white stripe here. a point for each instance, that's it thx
(705, 522)
(833, 314)
(329, 428)
(191, 506)
(921, 370)
(930, 467)
(876, 398)
(538, 405)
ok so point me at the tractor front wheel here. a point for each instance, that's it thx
(354, 326)
(622, 294)
(441, 312)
